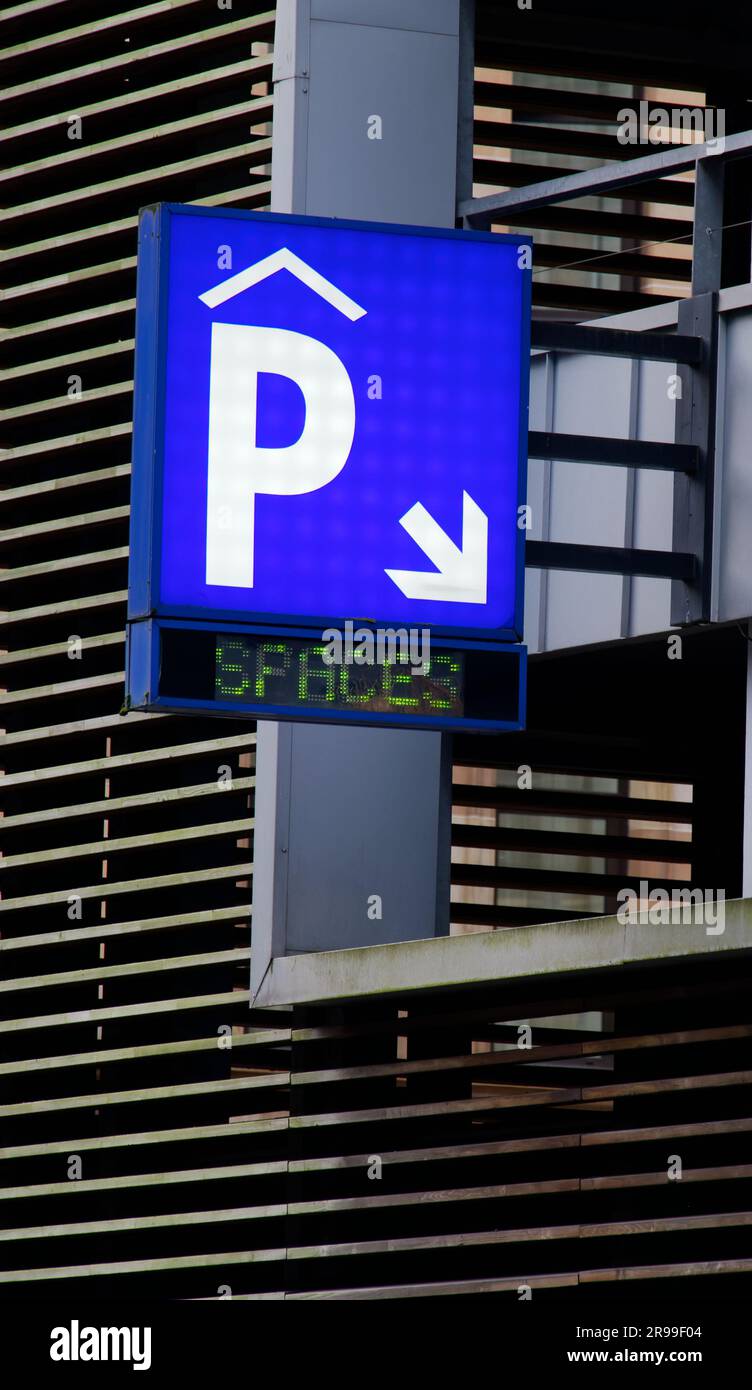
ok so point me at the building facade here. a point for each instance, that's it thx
(569, 1116)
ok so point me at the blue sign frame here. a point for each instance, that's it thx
(143, 681)
(144, 594)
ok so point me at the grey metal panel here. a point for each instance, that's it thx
(582, 609)
(587, 502)
(592, 398)
(694, 495)
(428, 16)
(747, 850)
(292, 64)
(596, 395)
(579, 605)
(735, 503)
(541, 416)
(270, 841)
(650, 605)
(363, 823)
(466, 99)
(718, 447)
(631, 497)
(407, 79)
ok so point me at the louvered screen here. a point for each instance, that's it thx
(551, 85)
(156, 1136)
(126, 885)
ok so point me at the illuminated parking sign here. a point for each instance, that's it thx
(330, 425)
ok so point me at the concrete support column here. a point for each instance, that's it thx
(353, 826)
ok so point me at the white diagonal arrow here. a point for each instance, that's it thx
(461, 573)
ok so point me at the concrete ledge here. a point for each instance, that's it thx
(594, 943)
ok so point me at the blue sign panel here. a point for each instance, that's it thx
(330, 424)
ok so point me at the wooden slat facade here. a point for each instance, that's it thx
(551, 82)
(369, 1151)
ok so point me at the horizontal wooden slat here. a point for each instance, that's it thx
(60, 649)
(267, 1038)
(111, 805)
(73, 1017)
(147, 1138)
(584, 1231)
(112, 680)
(513, 1285)
(512, 1056)
(117, 760)
(142, 1266)
(83, 31)
(212, 77)
(171, 47)
(110, 887)
(18, 616)
(261, 152)
(129, 843)
(111, 972)
(212, 1087)
(101, 932)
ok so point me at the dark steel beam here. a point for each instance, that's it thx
(606, 179)
(465, 100)
(707, 240)
(604, 559)
(616, 342)
(619, 453)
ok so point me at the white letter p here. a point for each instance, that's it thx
(238, 467)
